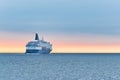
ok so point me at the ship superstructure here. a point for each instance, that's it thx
(38, 46)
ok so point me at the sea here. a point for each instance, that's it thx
(86, 66)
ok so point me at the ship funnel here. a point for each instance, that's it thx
(36, 37)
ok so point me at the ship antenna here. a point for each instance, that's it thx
(36, 36)
(42, 38)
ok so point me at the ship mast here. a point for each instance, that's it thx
(42, 38)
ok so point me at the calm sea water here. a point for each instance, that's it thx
(60, 67)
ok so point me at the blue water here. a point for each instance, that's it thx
(60, 67)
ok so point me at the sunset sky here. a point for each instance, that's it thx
(70, 25)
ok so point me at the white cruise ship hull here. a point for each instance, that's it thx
(47, 51)
(38, 46)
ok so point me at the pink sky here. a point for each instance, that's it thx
(11, 42)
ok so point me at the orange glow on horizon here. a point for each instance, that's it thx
(87, 48)
(63, 44)
(65, 48)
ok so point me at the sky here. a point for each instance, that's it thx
(76, 26)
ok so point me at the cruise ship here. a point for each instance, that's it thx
(38, 46)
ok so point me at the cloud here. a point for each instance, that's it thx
(62, 27)
(61, 16)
